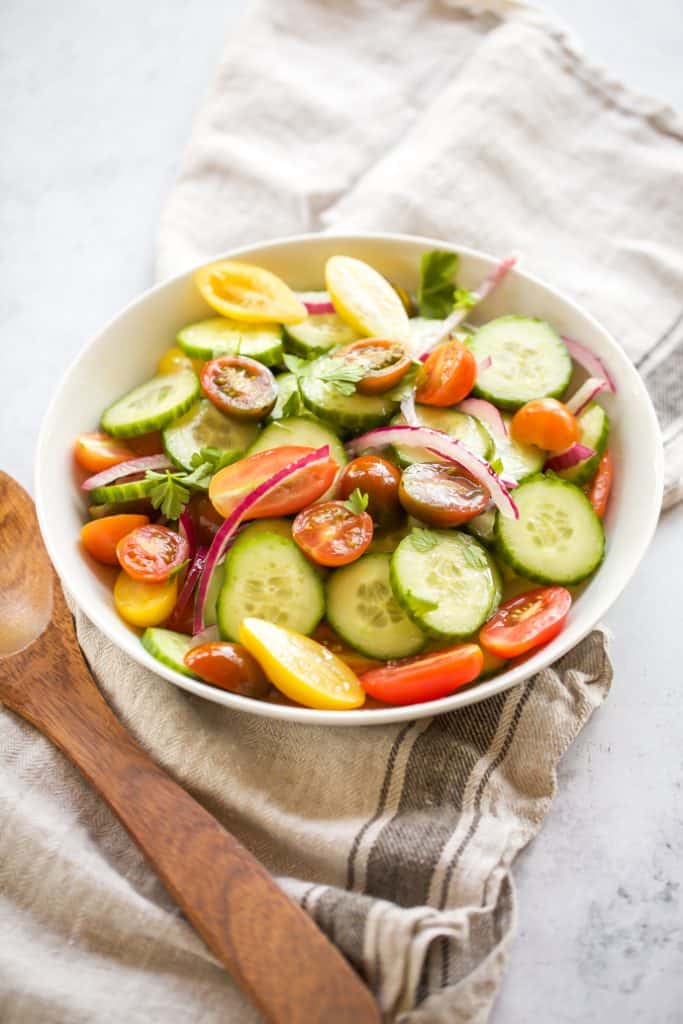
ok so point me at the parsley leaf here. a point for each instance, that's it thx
(475, 557)
(295, 364)
(437, 283)
(420, 604)
(292, 405)
(169, 495)
(205, 463)
(357, 501)
(464, 299)
(423, 539)
(342, 375)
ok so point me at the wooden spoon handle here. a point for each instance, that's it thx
(273, 950)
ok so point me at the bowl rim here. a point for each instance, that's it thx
(603, 598)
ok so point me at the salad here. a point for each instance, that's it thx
(351, 495)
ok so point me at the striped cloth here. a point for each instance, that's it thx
(477, 122)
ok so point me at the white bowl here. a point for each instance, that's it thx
(126, 351)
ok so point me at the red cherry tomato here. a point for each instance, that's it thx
(100, 537)
(331, 534)
(425, 677)
(526, 621)
(378, 479)
(441, 495)
(601, 485)
(234, 482)
(546, 423)
(386, 361)
(229, 666)
(152, 553)
(147, 444)
(239, 386)
(99, 451)
(449, 375)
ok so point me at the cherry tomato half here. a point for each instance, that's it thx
(239, 386)
(331, 534)
(547, 423)
(207, 521)
(425, 677)
(234, 482)
(147, 444)
(449, 375)
(441, 495)
(378, 479)
(386, 361)
(101, 536)
(229, 666)
(526, 621)
(152, 553)
(601, 485)
(99, 451)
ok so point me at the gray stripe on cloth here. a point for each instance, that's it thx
(381, 803)
(665, 383)
(502, 754)
(402, 860)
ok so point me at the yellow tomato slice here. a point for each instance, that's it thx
(144, 604)
(365, 299)
(175, 359)
(302, 669)
(247, 293)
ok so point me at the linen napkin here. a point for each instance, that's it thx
(475, 122)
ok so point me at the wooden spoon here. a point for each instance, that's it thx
(271, 947)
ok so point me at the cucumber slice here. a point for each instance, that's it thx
(268, 577)
(519, 461)
(220, 336)
(460, 425)
(317, 334)
(302, 430)
(528, 360)
(283, 527)
(483, 527)
(446, 582)
(361, 607)
(594, 433)
(114, 494)
(557, 539)
(215, 585)
(168, 647)
(352, 414)
(205, 426)
(152, 405)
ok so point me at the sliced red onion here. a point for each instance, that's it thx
(229, 528)
(496, 277)
(207, 636)
(186, 530)
(445, 447)
(193, 574)
(488, 285)
(140, 465)
(572, 457)
(408, 410)
(487, 413)
(317, 302)
(589, 390)
(591, 363)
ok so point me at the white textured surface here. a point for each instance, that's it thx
(95, 105)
